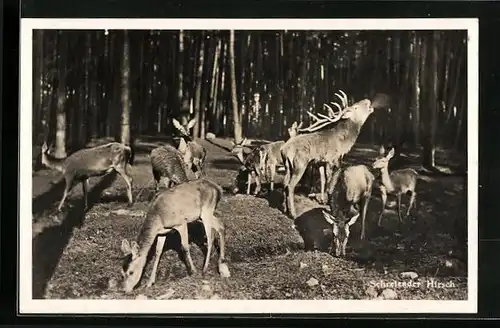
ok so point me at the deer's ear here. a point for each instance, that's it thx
(381, 150)
(245, 142)
(294, 125)
(391, 154)
(177, 125)
(182, 146)
(125, 248)
(191, 123)
(135, 248)
(232, 143)
(348, 114)
(329, 218)
(352, 220)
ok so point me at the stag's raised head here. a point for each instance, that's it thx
(341, 228)
(132, 266)
(382, 161)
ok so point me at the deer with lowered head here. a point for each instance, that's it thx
(356, 185)
(173, 209)
(396, 182)
(331, 137)
(90, 162)
(198, 152)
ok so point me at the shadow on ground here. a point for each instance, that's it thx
(49, 244)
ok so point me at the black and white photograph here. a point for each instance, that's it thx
(248, 166)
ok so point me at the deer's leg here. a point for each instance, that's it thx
(249, 182)
(322, 182)
(206, 219)
(295, 177)
(160, 242)
(157, 178)
(128, 180)
(412, 202)
(257, 182)
(84, 189)
(364, 206)
(272, 172)
(383, 195)
(67, 189)
(183, 233)
(219, 228)
(399, 208)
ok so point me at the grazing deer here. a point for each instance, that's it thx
(172, 164)
(356, 189)
(251, 166)
(397, 182)
(198, 152)
(322, 146)
(90, 162)
(173, 209)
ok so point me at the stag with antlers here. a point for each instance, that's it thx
(325, 144)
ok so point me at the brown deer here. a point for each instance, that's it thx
(270, 155)
(198, 152)
(250, 165)
(90, 162)
(172, 164)
(356, 189)
(173, 209)
(325, 147)
(397, 182)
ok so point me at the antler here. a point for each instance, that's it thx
(322, 120)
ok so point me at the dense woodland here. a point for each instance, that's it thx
(124, 84)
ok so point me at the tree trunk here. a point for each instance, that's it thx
(215, 87)
(39, 119)
(432, 78)
(180, 69)
(125, 91)
(415, 94)
(60, 150)
(234, 96)
(199, 82)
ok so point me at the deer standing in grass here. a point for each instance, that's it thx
(198, 152)
(321, 146)
(355, 191)
(397, 182)
(172, 164)
(90, 162)
(251, 165)
(173, 209)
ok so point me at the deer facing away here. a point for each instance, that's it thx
(90, 162)
(198, 152)
(172, 164)
(325, 147)
(173, 209)
(397, 182)
(356, 185)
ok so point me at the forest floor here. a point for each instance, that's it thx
(78, 255)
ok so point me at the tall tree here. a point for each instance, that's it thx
(60, 150)
(38, 118)
(199, 82)
(234, 97)
(415, 109)
(125, 91)
(180, 69)
(432, 100)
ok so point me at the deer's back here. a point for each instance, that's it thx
(273, 151)
(323, 146)
(167, 161)
(96, 160)
(185, 202)
(357, 181)
(404, 179)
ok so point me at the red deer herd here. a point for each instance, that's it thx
(190, 196)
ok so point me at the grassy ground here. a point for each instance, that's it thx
(78, 256)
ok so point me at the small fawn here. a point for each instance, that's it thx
(397, 182)
(91, 162)
(356, 189)
(173, 209)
